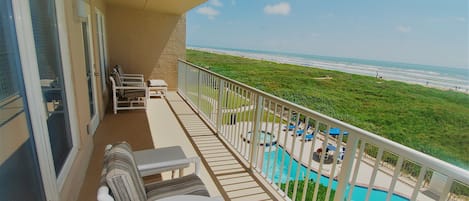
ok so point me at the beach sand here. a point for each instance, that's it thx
(424, 78)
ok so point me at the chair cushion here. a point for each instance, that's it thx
(123, 177)
(119, 69)
(187, 185)
(134, 93)
(157, 83)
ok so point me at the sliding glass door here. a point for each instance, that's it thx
(90, 75)
(20, 177)
(102, 50)
(49, 60)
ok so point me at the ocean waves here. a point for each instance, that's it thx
(456, 79)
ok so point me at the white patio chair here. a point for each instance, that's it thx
(128, 95)
(128, 76)
(121, 178)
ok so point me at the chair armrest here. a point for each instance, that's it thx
(134, 83)
(124, 78)
(132, 87)
(132, 75)
(103, 194)
(171, 165)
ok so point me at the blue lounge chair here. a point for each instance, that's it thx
(300, 132)
(309, 137)
(336, 131)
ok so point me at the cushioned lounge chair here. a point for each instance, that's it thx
(121, 178)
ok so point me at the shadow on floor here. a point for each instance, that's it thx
(130, 126)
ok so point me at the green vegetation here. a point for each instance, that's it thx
(309, 192)
(433, 121)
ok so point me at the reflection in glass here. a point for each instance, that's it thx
(19, 166)
(52, 80)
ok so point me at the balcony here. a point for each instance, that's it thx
(255, 146)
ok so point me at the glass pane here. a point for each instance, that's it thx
(89, 73)
(52, 81)
(20, 178)
(102, 53)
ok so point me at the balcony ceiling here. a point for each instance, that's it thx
(176, 7)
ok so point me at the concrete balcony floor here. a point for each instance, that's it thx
(171, 122)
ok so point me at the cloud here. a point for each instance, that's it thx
(216, 3)
(404, 29)
(315, 35)
(208, 11)
(282, 8)
(460, 19)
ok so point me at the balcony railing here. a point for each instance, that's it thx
(306, 155)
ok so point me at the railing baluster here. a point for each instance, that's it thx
(277, 145)
(271, 141)
(230, 116)
(212, 94)
(345, 172)
(303, 140)
(233, 114)
(292, 151)
(243, 126)
(221, 87)
(284, 148)
(310, 160)
(395, 176)
(249, 125)
(334, 163)
(423, 172)
(445, 193)
(264, 121)
(237, 112)
(321, 162)
(252, 116)
(186, 80)
(255, 131)
(375, 171)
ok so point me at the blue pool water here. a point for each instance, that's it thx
(359, 192)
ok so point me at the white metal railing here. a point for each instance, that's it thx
(288, 144)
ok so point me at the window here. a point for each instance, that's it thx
(46, 39)
(19, 166)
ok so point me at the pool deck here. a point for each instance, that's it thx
(383, 176)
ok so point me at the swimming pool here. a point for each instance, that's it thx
(359, 192)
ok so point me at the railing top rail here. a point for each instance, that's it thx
(423, 159)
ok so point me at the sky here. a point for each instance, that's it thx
(432, 32)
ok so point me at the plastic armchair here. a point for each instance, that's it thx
(121, 177)
(127, 76)
(128, 97)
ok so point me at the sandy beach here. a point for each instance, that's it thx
(424, 78)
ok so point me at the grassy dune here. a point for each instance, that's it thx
(433, 121)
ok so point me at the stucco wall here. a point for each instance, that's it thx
(72, 184)
(146, 42)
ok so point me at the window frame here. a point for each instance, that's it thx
(24, 30)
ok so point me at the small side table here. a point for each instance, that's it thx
(157, 88)
(150, 156)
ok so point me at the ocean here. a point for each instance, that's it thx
(449, 78)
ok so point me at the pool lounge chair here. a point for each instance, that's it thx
(309, 137)
(121, 178)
